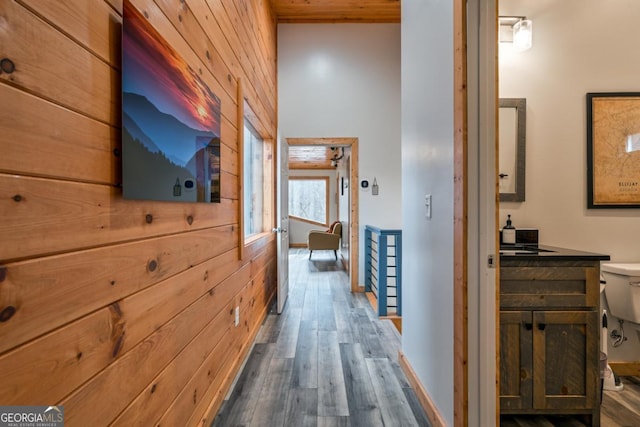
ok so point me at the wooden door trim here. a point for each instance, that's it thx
(460, 228)
(354, 225)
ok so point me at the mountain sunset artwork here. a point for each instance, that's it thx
(170, 120)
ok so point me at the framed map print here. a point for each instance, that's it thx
(613, 150)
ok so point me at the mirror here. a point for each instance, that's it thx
(512, 142)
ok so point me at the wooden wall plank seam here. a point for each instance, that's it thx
(107, 297)
(52, 291)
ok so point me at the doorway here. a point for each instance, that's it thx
(353, 226)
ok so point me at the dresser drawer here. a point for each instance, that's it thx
(549, 287)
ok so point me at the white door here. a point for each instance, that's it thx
(283, 224)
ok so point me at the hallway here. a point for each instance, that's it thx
(326, 361)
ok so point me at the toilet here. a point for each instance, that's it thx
(622, 290)
(621, 283)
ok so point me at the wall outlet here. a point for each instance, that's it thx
(237, 315)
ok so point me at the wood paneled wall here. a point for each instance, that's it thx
(122, 310)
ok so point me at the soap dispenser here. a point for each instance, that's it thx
(509, 232)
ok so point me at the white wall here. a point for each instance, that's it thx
(427, 168)
(579, 46)
(298, 230)
(343, 80)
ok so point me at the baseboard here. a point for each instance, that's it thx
(297, 245)
(345, 264)
(427, 404)
(625, 369)
(397, 322)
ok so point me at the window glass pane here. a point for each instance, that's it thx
(308, 199)
(253, 181)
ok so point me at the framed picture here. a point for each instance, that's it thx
(613, 150)
(170, 120)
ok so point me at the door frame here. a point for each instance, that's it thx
(476, 282)
(354, 225)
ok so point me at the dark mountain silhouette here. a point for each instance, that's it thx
(150, 175)
(136, 133)
(164, 131)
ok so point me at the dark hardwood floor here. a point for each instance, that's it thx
(622, 409)
(619, 409)
(326, 361)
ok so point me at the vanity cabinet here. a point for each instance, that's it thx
(549, 335)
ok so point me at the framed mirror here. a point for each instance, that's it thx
(512, 134)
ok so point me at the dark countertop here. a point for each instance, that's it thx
(532, 252)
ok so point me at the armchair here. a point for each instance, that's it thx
(318, 240)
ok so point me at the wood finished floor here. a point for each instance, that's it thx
(326, 361)
(619, 409)
(622, 409)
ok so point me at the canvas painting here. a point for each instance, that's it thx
(170, 120)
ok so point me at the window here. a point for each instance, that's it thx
(253, 181)
(309, 199)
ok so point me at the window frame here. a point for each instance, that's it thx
(327, 186)
(246, 114)
(248, 127)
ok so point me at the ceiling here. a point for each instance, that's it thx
(310, 157)
(337, 10)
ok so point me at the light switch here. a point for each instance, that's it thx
(427, 206)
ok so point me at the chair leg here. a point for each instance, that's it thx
(335, 253)
(310, 252)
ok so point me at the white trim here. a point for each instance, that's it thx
(482, 98)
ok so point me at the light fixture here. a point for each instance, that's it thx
(517, 30)
(335, 158)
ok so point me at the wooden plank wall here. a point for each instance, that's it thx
(122, 310)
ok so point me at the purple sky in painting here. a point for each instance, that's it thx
(154, 70)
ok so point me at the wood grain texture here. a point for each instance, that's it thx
(305, 368)
(274, 394)
(546, 326)
(51, 291)
(210, 345)
(627, 369)
(322, 375)
(461, 181)
(332, 393)
(56, 68)
(618, 409)
(64, 221)
(117, 305)
(69, 145)
(364, 405)
(302, 407)
(244, 398)
(394, 407)
(337, 11)
(137, 368)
